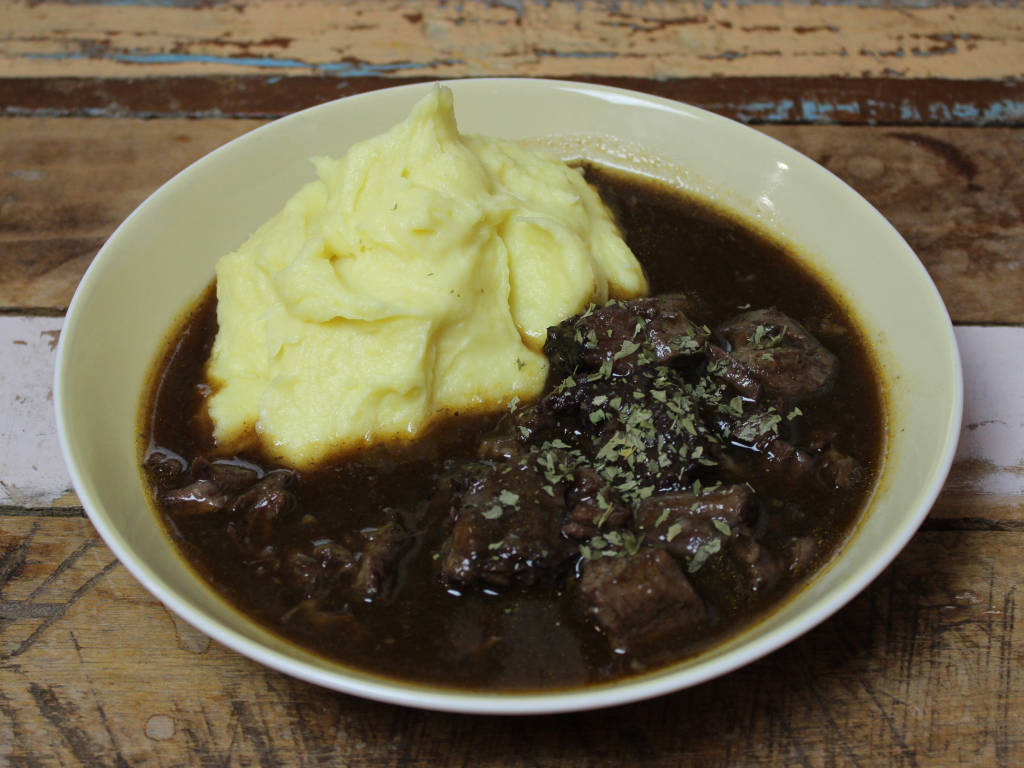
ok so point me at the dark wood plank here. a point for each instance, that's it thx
(956, 195)
(754, 99)
(920, 670)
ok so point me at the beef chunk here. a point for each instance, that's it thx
(229, 477)
(640, 600)
(507, 521)
(671, 334)
(215, 488)
(199, 498)
(836, 470)
(793, 461)
(317, 570)
(594, 506)
(263, 505)
(380, 550)
(500, 448)
(833, 469)
(730, 370)
(623, 336)
(779, 353)
(685, 524)
(697, 528)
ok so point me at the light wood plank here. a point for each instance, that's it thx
(920, 670)
(645, 38)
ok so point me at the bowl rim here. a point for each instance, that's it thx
(610, 694)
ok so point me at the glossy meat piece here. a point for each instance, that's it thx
(730, 370)
(793, 461)
(507, 521)
(216, 486)
(315, 571)
(832, 468)
(625, 335)
(750, 424)
(640, 600)
(780, 354)
(165, 464)
(652, 443)
(802, 552)
(199, 498)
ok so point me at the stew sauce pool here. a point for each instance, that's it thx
(524, 632)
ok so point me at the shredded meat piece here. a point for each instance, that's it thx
(838, 471)
(381, 547)
(263, 505)
(802, 552)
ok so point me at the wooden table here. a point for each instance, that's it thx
(915, 103)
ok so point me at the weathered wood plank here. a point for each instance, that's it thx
(988, 479)
(955, 194)
(763, 99)
(920, 670)
(32, 473)
(64, 187)
(414, 38)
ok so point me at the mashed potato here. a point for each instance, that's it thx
(417, 277)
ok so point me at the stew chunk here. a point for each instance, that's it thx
(779, 354)
(641, 599)
(507, 524)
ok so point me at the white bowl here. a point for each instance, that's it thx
(163, 255)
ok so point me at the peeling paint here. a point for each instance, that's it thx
(644, 38)
(346, 68)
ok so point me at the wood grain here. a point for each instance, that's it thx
(824, 100)
(955, 194)
(920, 670)
(417, 38)
(65, 185)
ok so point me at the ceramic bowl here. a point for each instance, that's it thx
(163, 255)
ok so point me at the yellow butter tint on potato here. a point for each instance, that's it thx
(416, 278)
